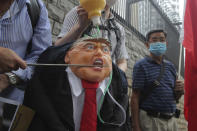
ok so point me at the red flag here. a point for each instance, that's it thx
(190, 43)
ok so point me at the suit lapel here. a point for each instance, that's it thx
(62, 98)
(67, 102)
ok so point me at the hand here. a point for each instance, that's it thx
(9, 60)
(122, 64)
(179, 89)
(179, 86)
(83, 17)
(4, 82)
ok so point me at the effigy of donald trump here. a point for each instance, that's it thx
(80, 89)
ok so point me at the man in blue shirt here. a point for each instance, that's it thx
(15, 33)
(156, 111)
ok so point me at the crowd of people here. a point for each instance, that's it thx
(90, 92)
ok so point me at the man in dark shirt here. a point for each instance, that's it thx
(155, 111)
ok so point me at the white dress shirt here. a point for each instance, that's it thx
(78, 95)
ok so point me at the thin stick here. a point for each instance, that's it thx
(65, 65)
(180, 61)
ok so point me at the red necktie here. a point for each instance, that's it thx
(89, 114)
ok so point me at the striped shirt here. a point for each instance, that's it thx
(162, 98)
(16, 32)
(117, 53)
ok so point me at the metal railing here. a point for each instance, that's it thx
(141, 16)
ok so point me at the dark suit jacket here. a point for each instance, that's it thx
(49, 94)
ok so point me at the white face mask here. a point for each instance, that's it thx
(110, 3)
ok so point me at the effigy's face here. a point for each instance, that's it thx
(90, 53)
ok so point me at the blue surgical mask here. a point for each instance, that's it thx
(158, 48)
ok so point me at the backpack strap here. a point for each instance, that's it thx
(33, 9)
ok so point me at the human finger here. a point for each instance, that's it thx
(20, 63)
(82, 12)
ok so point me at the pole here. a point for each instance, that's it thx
(180, 61)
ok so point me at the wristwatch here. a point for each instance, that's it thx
(12, 78)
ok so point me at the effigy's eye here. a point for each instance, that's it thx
(106, 49)
(90, 46)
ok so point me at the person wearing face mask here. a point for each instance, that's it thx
(155, 88)
(76, 25)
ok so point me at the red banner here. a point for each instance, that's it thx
(190, 43)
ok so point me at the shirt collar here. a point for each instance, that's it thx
(76, 86)
(151, 60)
(16, 6)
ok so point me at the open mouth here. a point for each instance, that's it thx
(98, 63)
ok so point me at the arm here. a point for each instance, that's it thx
(41, 39)
(135, 110)
(179, 85)
(9, 60)
(179, 89)
(122, 64)
(121, 52)
(75, 23)
(139, 78)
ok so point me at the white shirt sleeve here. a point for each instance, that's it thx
(70, 20)
(121, 51)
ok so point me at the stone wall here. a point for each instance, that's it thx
(57, 10)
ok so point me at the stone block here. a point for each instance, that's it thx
(54, 38)
(128, 74)
(52, 24)
(54, 2)
(131, 63)
(57, 28)
(75, 2)
(55, 13)
(65, 5)
(129, 82)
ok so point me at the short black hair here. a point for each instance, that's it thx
(154, 31)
